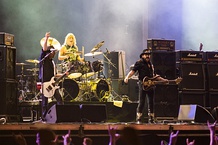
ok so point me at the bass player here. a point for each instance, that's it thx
(145, 68)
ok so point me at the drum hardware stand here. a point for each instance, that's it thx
(112, 94)
(22, 93)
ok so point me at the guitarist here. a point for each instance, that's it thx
(47, 70)
(145, 68)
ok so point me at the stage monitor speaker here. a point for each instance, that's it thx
(164, 63)
(63, 113)
(7, 62)
(166, 102)
(212, 74)
(194, 114)
(116, 70)
(193, 76)
(93, 113)
(192, 97)
(8, 103)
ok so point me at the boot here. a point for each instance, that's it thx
(138, 117)
(151, 118)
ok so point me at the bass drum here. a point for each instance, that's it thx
(100, 87)
(70, 89)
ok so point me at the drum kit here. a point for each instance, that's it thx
(26, 82)
(86, 82)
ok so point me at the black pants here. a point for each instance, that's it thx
(44, 103)
(149, 95)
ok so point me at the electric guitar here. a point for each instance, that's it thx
(149, 83)
(48, 88)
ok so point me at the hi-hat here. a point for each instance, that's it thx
(21, 64)
(32, 60)
(93, 53)
(51, 42)
(96, 47)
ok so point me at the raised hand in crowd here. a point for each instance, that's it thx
(190, 143)
(67, 139)
(213, 137)
(173, 138)
(113, 135)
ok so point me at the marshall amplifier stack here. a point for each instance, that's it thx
(163, 57)
(8, 83)
(199, 71)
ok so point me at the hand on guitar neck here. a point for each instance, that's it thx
(149, 83)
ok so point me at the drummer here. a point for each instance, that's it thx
(69, 50)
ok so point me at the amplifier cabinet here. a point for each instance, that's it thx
(194, 56)
(211, 56)
(7, 62)
(9, 98)
(212, 76)
(6, 39)
(193, 76)
(192, 97)
(161, 45)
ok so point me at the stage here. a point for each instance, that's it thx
(94, 123)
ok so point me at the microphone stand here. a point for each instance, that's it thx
(112, 94)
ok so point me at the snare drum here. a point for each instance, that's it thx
(99, 87)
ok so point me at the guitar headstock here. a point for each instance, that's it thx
(178, 80)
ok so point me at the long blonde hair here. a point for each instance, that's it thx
(74, 39)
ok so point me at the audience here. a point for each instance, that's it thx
(128, 136)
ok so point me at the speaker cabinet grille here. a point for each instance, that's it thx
(192, 97)
(164, 64)
(8, 101)
(193, 76)
(212, 70)
(166, 101)
(213, 99)
(7, 62)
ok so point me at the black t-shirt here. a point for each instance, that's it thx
(48, 67)
(144, 69)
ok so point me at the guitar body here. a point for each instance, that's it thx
(148, 83)
(49, 88)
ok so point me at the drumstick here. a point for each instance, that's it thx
(83, 52)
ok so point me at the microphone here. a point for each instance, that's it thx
(107, 51)
(201, 46)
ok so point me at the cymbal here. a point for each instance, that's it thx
(93, 53)
(51, 41)
(21, 64)
(87, 75)
(96, 47)
(33, 69)
(32, 60)
(76, 52)
(74, 75)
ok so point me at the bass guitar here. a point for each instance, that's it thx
(149, 83)
(48, 88)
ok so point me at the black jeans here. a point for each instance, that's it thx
(149, 95)
(44, 104)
